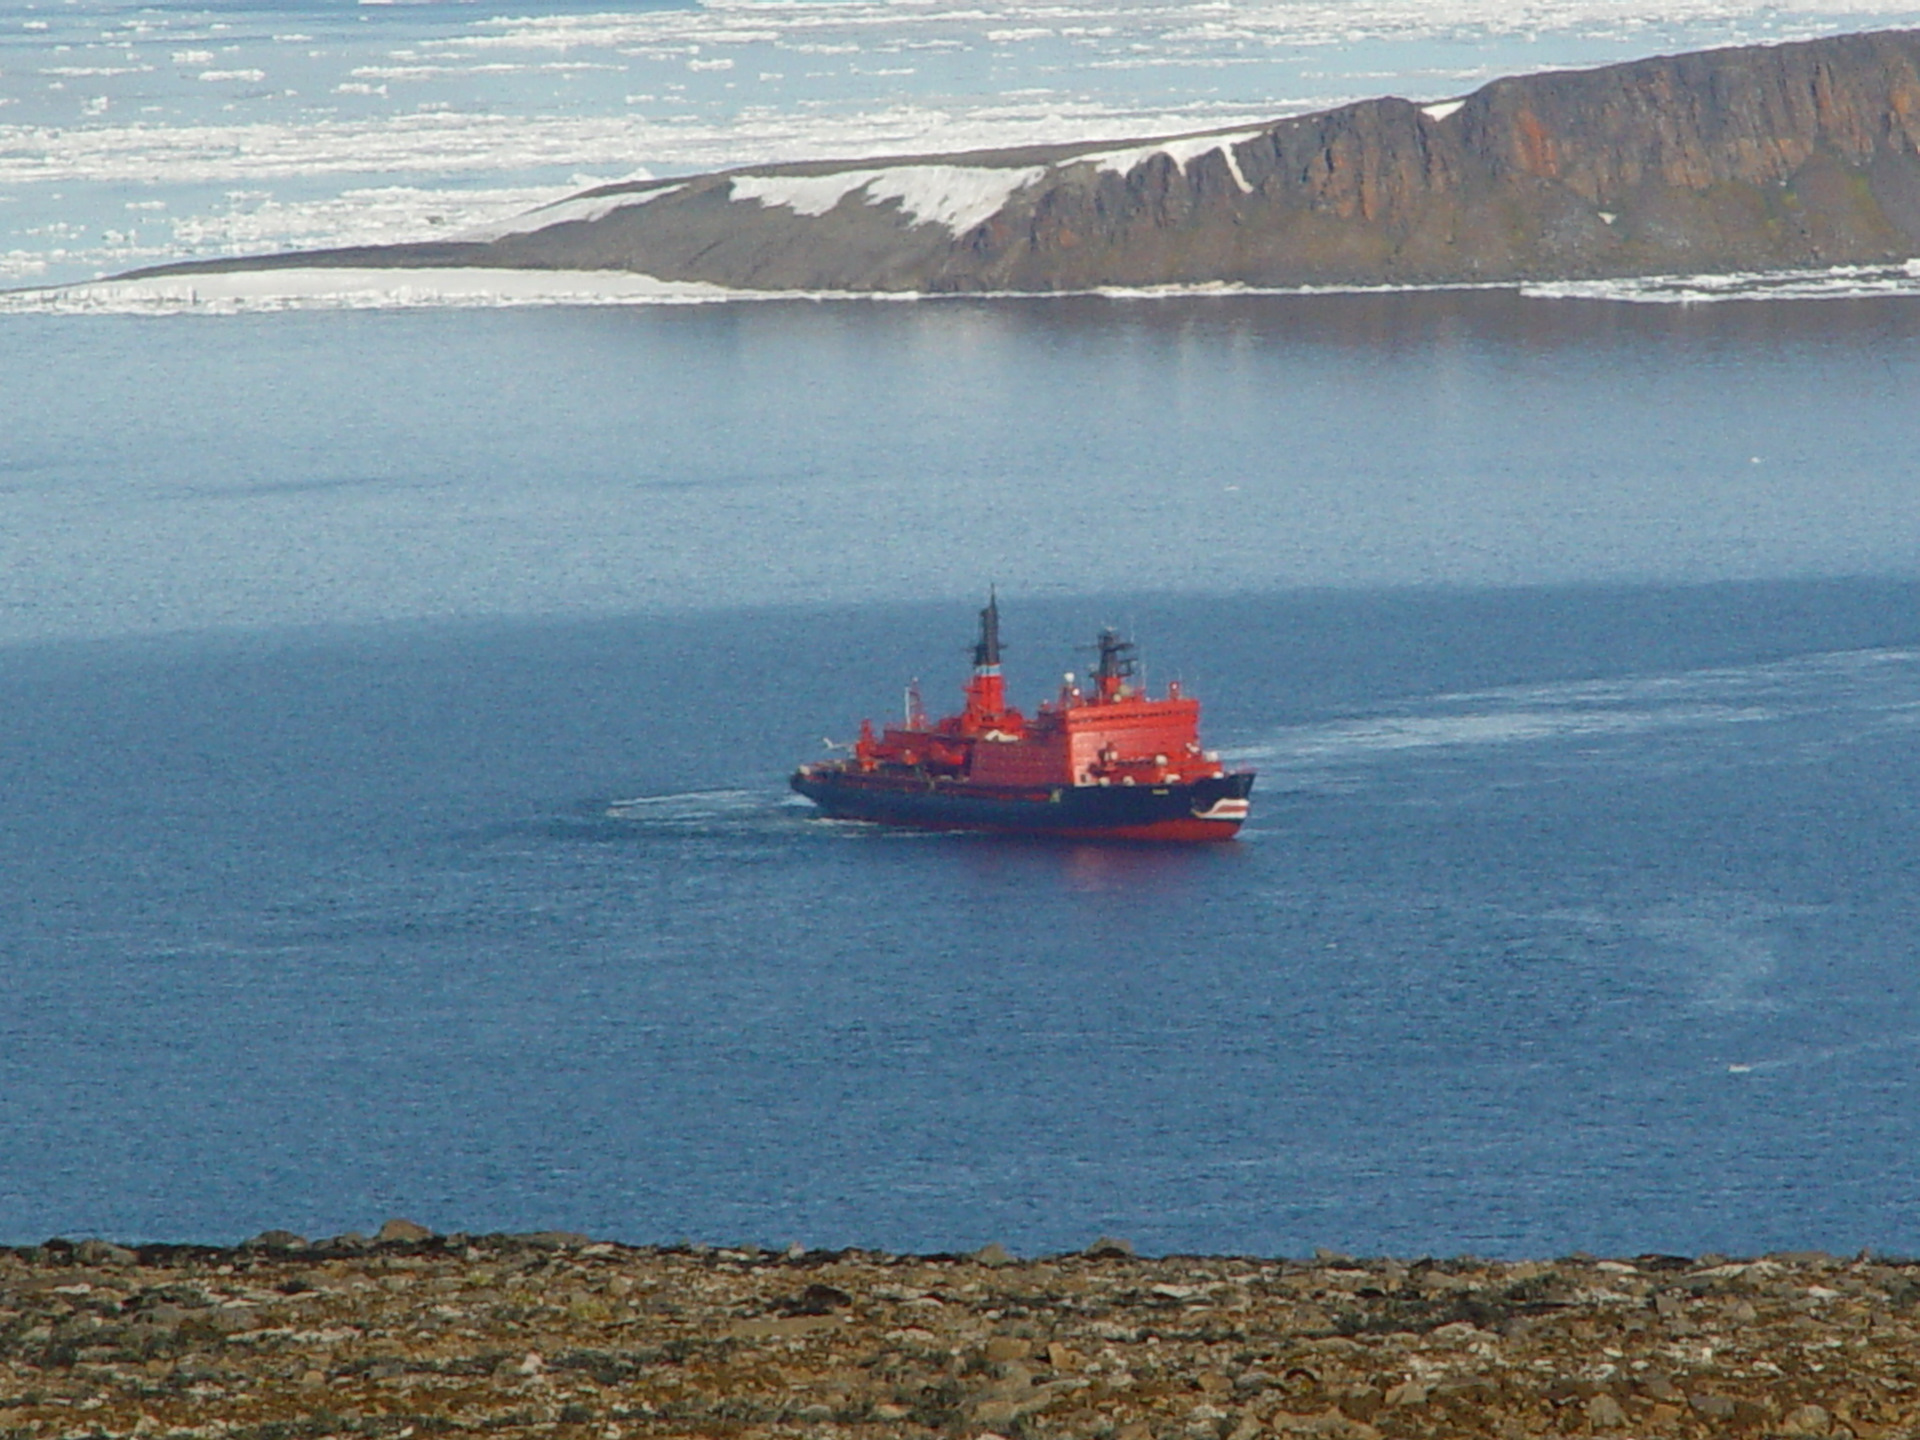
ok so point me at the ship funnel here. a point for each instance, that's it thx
(1118, 660)
(987, 652)
(986, 691)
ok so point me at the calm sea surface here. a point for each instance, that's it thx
(397, 709)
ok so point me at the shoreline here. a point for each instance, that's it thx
(411, 1333)
(232, 288)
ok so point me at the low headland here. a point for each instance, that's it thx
(1758, 158)
(410, 1333)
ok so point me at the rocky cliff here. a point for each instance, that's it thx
(1781, 156)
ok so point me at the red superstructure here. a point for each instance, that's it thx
(1105, 761)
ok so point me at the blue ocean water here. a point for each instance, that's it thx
(392, 808)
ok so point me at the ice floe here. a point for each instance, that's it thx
(1442, 110)
(327, 288)
(1839, 282)
(250, 291)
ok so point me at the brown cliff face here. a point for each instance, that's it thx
(1782, 156)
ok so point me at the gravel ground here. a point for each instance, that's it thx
(416, 1334)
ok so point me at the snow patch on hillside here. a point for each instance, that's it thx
(809, 195)
(1182, 152)
(564, 212)
(956, 196)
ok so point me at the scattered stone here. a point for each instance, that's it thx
(496, 1336)
(1807, 1420)
(401, 1232)
(277, 1240)
(99, 1252)
(784, 1327)
(817, 1299)
(556, 1240)
(1604, 1412)
(1109, 1247)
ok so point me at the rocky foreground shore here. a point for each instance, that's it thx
(414, 1334)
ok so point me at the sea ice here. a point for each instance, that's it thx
(1838, 282)
(239, 291)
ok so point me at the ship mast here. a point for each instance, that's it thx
(987, 690)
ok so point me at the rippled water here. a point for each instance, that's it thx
(165, 475)
(392, 806)
(1597, 937)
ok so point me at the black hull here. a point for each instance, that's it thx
(1200, 810)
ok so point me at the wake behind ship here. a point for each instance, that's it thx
(1110, 763)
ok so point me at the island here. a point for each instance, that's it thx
(1767, 157)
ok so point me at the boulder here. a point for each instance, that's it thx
(1807, 1420)
(401, 1232)
(277, 1240)
(556, 1240)
(1604, 1412)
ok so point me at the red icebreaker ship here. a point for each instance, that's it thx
(1112, 763)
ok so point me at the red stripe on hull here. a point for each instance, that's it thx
(1188, 831)
(1185, 832)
